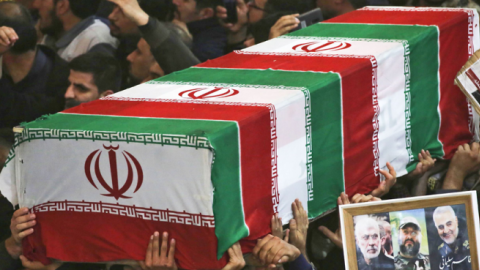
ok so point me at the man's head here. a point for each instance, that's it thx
(140, 61)
(195, 10)
(409, 237)
(122, 26)
(17, 17)
(387, 234)
(446, 223)
(92, 76)
(53, 13)
(367, 236)
(333, 8)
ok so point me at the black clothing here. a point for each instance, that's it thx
(452, 257)
(209, 39)
(40, 92)
(169, 50)
(381, 262)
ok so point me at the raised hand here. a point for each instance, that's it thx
(21, 226)
(284, 25)
(426, 162)
(299, 227)
(132, 10)
(276, 226)
(8, 37)
(242, 10)
(38, 265)
(160, 257)
(465, 161)
(390, 180)
(236, 261)
(272, 250)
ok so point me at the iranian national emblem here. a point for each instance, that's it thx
(316, 46)
(114, 190)
(205, 93)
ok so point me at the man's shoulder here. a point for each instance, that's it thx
(100, 32)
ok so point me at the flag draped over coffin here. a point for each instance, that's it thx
(210, 153)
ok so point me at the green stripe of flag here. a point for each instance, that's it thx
(222, 135)
(325, 91)
(424, 81)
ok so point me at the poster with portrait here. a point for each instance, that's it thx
(420, 233)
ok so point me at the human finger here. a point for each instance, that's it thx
(466, 147)
(260, 244)
(164, 245)
(25, 225)
(344, 198)
(171, 251)
(5, 41)
(391, 169)
(20, 212)
(148, 255)
(287, 235)
(356, 198)
(25, 233)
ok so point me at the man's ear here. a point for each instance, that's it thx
(62, 7)
(206, 13)
(106, 93)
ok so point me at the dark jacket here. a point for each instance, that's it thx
(452, 257)
(381, 262)
(169, 50)
(209, 39)
(40, 92)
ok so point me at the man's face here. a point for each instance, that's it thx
(369, 242)
(388, 234)
(49, 22)
(447, 226)
(140, 61)
(82, 89)
(187, 9)
(256, 10)
(120, 25)
(409, 240)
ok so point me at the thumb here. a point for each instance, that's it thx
(293, 224)
(287, 235)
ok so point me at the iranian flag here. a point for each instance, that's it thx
(210, 153)
(458, 37)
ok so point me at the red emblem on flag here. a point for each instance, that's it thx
(204, 93)
(114, 190)
(322, 46)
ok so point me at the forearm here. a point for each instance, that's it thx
(168, 49)
(9, 255)
(454, 179)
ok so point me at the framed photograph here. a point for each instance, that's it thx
(438, 232)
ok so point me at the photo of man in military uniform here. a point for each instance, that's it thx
(409, 242)
(452, 250)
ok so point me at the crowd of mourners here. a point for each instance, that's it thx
(56, 54)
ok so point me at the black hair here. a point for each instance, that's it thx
(162, 10)
(17, 17)
(83, 8)
(105, 69)
(292, 6)
(208, 4)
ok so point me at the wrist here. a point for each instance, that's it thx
(141, 19)
(13, 248)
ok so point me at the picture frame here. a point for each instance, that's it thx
(426, 232)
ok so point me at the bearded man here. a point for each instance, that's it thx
(369, 246)
(409, 241)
